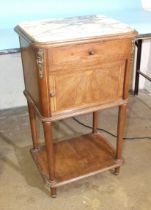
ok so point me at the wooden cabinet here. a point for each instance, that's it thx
(71, 67)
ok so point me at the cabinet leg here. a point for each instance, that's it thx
(95, 122)
(53, 192)
(32, 118)
(50, 155)
(120, 133)
(116, 171)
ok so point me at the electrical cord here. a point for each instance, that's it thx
(111, 134)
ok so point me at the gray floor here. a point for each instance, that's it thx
(21, 186)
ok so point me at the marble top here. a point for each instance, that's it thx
(75, 28)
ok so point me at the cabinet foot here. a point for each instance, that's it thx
(116, 171)
(53, 192)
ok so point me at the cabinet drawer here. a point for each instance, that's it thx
(87, 53)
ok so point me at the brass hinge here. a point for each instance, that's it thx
(40, 62)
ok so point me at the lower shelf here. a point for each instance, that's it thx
(77, 158)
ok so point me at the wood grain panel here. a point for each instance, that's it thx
(30, 71)
(77, 157)
(87, 54)
(101, 84)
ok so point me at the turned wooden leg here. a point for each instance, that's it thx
(95, 122)
(32, 117)
(53, 192)
(50, 155)
(120, 133)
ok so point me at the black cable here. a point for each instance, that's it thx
(126, 138)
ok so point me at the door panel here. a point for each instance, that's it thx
(78, 89)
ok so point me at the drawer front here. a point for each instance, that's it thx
(87, 54)
(79, 89)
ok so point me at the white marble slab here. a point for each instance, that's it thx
(68, 29)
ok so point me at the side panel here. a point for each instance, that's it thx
(30, 71)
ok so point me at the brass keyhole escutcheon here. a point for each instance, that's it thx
(91, 52)
(52, 94)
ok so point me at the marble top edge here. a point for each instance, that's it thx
(68, 29)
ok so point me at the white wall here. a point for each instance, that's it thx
(146, 55)
(145, 63)
(147, 84)
(11, 81)
(145, 66)
(146, 4)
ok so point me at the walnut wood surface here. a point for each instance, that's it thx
(84, 87)
(30, 71)
(88, 53)
(95, 122)
(71, 113)
(34, 132)
(76, 158)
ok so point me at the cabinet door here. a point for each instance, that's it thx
(70, 90)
